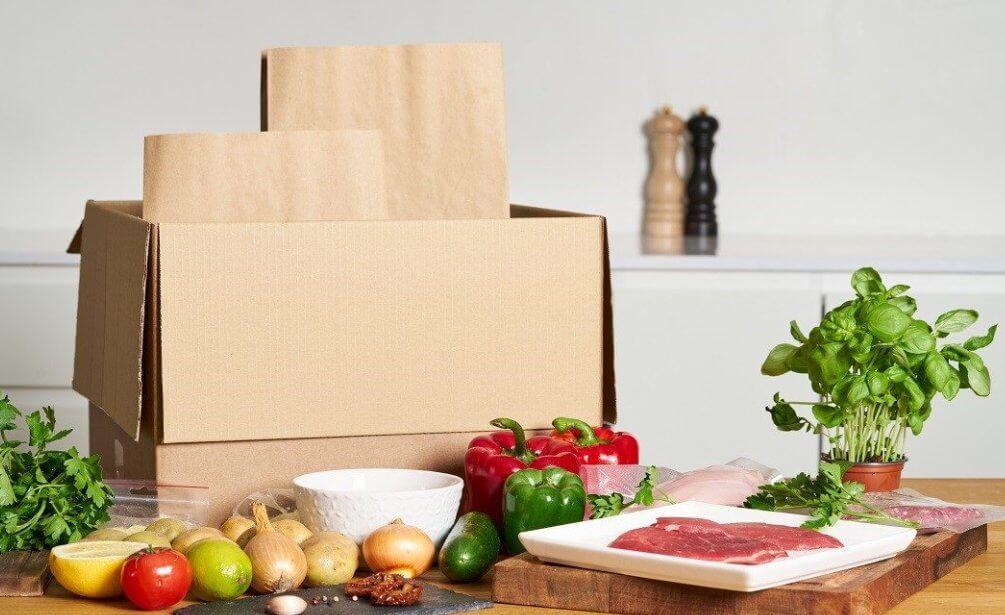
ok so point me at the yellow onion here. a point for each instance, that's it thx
(293, 529)
(239, 529)
(277, 562)
(399, 549)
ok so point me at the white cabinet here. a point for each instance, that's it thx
(689, 344)
(688, 351)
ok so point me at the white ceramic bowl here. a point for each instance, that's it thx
(357, 501)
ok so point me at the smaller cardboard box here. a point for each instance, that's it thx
(239, 355)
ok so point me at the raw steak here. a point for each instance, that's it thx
(697, 545)
(736, 543)
(934, 517)
(784, 536)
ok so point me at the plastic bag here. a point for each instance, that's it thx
(747, 476)
(933, 514)
(278, 503)
(141, 502)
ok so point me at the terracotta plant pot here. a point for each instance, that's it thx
(876, 476)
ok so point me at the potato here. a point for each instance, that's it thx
(151, 538)
(168, 527)
(185, 540)
(331, 559)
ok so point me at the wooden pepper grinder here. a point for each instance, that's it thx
(664, 189)
(701, 187)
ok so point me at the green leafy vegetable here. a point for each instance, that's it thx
(876, 370)
(825, 498)
(613, 504)
(47, 497)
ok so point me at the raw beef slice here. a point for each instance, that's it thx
(934, 517)
(736, 543)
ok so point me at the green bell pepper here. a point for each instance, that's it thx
(535, 499)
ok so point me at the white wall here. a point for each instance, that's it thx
(838, 117)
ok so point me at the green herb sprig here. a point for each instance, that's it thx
(877, 370)
(826, 498)
(612, 504)
(47, 497)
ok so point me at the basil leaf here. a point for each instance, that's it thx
(952, 386)
(866, 281)
(878, 382)
(828, 416)
(955, 320)
(785, 418)
(898, 289)
(776, 362)
(828, 363)
(937, 371)
(915, 396)
(905, 304)
(796, 333)
(886, 322)
(917, 340)
(978, 378)
(980, 341)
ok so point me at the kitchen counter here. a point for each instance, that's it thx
(976, 254)
(977, 587)
(820, 254)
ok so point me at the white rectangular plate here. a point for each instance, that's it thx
(584, 544)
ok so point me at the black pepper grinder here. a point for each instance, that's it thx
(701, 186)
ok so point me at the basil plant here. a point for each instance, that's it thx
(877, 370)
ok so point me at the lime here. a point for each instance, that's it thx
(220, 569)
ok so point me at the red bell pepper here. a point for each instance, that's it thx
(597, 445)
(492, 457)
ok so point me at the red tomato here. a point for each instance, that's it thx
(156, 578)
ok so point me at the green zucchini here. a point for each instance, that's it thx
(470, 549)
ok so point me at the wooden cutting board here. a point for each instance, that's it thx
(865, 590)
(24, 573)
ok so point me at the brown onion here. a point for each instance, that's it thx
(399, 549)
(277, 563)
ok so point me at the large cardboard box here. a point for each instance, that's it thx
(439, 107)
(238, 355)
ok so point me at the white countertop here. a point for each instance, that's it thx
(28, 247)
(976, 254)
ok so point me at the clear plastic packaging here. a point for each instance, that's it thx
(933, 514)
(278, 502)
(140, 502)
(746, 475)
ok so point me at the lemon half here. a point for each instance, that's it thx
(91, 569)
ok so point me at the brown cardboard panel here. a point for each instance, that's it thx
(264, 177)
(440, 107)
(110, 310)
(234, 470)
(610, 390)
(272, 331)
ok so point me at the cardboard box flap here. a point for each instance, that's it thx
(107, 366)
(272, 331)
(440, 108)
(264, 177)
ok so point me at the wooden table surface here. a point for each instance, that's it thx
(976, 588)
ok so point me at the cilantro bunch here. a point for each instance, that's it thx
(877, 370)
(826, 498)
(612, 504)
(47, 497)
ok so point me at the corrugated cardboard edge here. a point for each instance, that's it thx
(610, 400)
(108, 363)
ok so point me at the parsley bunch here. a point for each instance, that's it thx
(47, 498)
(826, 497)
(612, 504)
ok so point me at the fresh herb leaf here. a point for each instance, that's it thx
(826, 499)
(612, 504)
(47, 497)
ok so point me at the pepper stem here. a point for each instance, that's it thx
(519, 438)
(586, 435)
